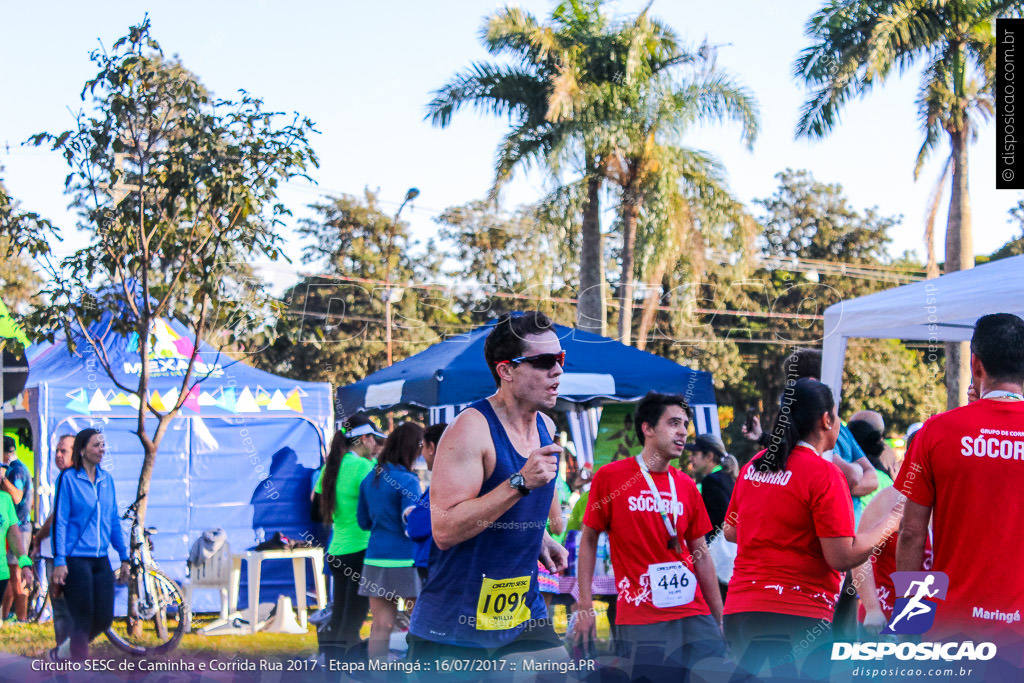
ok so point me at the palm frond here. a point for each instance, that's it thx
(491, 88)
(904, 31)
(718, 98)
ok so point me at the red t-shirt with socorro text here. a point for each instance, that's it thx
(779, 517)
(622, 504)
(967, 464)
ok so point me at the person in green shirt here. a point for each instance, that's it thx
(15, 544)
(348, 463)
(868, 429)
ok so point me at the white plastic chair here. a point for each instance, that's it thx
(215, 574)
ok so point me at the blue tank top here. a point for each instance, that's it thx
(483, 592)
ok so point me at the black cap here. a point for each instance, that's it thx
(9, 444)
(707, 443)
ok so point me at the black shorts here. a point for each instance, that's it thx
(541, 637)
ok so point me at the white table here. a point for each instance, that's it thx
(255, 559)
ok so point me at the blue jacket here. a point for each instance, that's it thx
(417, 527)
(86, 520)
(381, 503)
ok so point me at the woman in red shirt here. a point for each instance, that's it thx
(791, 516)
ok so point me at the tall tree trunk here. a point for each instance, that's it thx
(590, 306)
(651, 300)
(630, 214)
(959, 256)
(932, 267)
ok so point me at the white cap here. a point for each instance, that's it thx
(364, 429)
(913, 428)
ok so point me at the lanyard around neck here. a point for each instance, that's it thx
(808, 446)
(670, 525)
(999, 393)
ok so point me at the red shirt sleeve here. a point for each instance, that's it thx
(598, 513)
(697, 516)
(915, 477)
(832, 507)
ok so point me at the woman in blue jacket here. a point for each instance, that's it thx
(86, 523)
(388, 571)
(417, 517)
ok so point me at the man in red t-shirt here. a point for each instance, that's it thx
(669, 608)
(966, 466)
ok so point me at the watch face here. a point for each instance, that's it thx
(517, 480)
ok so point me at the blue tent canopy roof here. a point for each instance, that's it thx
(220, 385)
(454, 372)
(240, 454)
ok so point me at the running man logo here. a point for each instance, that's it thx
(914, 613)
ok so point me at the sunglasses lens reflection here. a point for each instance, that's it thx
(546, 361)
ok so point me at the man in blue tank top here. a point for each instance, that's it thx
(491, 495)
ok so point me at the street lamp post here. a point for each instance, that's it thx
(388, 291)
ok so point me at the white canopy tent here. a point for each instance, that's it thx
(939, 310)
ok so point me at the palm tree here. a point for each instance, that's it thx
(856, 44)
(656, 115)
(540, 95)
(560, 97)
(683, 213)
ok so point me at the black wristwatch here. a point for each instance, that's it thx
(517, 482)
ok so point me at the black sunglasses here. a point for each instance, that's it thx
(542, 361)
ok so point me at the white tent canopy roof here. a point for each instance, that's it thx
(939, 310)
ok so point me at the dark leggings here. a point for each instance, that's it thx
(792, 647)
(349, 609)
(89, 592)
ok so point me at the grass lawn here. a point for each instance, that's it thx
(33, 640)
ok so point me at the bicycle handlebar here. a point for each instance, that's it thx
(133, 508)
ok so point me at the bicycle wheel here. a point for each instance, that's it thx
(38, 596)
(159, 620)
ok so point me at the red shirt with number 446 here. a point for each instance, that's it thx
(622, 504)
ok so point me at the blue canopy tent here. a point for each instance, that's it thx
(452, 374)
(239, 455)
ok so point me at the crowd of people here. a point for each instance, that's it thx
(811, 528)
(752, 570)
(74, 541)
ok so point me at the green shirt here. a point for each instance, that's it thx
(346, 536)
(8, 517)
(563, 491)
(575, 522)
(884, 481)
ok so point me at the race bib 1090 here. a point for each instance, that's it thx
(502, 603)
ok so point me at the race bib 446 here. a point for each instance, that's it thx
(502, 603)
(672, 584)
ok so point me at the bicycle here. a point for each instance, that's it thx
(159, 616)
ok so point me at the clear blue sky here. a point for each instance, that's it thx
(364, 72)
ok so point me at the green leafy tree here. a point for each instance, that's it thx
(887, 376)
(517, 261)
(857, 44)
(808, 219)
(1014, 247)
(332, 327)
(171, 186)
(804, 220)
(22, 235)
